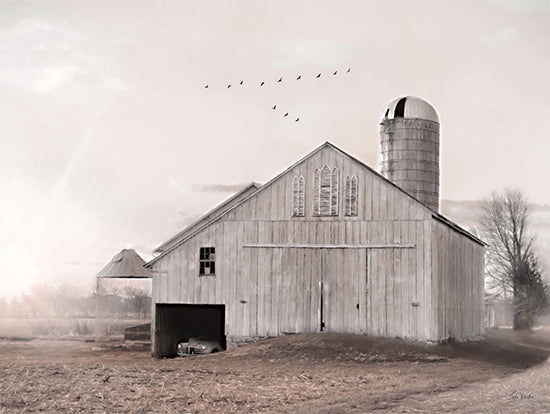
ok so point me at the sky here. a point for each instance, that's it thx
(109, 138)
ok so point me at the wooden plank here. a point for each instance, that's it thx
(375, 199)
(276, 276)
(243, 280)
(263, 270)
(385, 269)
(328, 246)
(254, 264)
(363, 291)
(316, 272)
(302, 293)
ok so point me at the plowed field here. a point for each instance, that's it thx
(306, 373)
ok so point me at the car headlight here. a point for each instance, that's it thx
(203, 347)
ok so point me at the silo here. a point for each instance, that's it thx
(409, 148)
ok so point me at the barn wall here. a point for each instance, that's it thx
(400, 282)
(458, 288)
(269, 291)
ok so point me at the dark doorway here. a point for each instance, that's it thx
(400, 109)
(175, 323)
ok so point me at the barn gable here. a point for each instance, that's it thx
(387, 201)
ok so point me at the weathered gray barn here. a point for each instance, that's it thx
(327, 245)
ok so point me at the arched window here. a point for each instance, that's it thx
(316, 192)
(334, 192)
(298, 197)
(350, 202)
(325, 191)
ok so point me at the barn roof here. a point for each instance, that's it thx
(125, 264)
(215, 212)
(223, 209)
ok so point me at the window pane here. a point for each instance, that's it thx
(207, 256)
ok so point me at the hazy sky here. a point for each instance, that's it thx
(109, 139)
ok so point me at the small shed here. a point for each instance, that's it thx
(123, 296)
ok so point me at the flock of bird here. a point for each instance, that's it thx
(262, 83)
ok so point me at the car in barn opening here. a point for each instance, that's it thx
(197, 346)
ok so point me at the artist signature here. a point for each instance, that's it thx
(514, 395)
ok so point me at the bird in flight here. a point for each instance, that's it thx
(297, 119)
(280, 79)
(348, 71)
(335, 72)
(299, 77)
(228, 86)
(241, 83)
(274, 106)
(206, 86)
(318, 76)
(262, 84)
(285, 115)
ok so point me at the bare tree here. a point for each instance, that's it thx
(512, 269)
(139, 300)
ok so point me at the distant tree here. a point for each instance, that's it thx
(3, 307)
(512, 270)
(140, 301)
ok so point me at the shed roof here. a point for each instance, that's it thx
(125, 264)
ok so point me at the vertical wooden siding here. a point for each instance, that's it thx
(458, 284)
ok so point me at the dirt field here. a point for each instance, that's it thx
(311, 373)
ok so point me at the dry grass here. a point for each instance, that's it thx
(298, 373)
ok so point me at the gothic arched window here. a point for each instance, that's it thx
(298, 196)
(325, 191)
(350, 194)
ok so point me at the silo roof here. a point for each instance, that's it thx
(125, 264)
(411, 107)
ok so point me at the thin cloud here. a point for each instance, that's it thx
(315, 52)
(220, 188)
(502, 37)
(49, 79)
(115, 83)
(46, 58)
(521, 6)
(78, 154)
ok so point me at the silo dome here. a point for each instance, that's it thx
(409, 148)
(411, 107)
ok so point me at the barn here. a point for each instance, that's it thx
(328, 245)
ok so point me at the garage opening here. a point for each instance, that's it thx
(175, 323)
